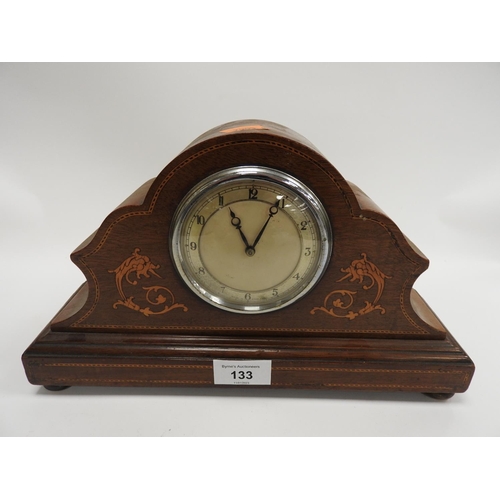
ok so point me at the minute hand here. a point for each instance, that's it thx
(272, 212)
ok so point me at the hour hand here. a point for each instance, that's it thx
(236, 222)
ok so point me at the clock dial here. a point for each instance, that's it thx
(251, 239)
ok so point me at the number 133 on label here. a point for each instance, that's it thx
(246, 372)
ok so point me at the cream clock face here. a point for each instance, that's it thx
(251, 239)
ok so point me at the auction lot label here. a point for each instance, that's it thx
(242, 372)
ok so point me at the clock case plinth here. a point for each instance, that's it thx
(134, 322)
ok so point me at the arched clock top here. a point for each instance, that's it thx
(365, 288)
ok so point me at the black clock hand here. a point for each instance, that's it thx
(236, 222)
(272, 212)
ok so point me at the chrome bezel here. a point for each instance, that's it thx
(278, 177)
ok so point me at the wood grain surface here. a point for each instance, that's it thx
(135, 322)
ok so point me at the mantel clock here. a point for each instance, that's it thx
(249, 260)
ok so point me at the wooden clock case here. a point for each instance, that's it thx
(134, 322)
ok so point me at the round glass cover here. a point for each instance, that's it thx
(251, 239)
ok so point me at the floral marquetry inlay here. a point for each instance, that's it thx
(130, 271)
(339, 302)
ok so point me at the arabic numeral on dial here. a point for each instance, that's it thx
(304, 225)
(275, 292)
(296, 276)
(193, 245)
(200, 220)
(252, 193)
(221, 200)
(201, 270)
(248, 296)
(307, 253)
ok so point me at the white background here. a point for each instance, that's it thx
(422, 140)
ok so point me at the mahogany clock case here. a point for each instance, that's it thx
(134, 322)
